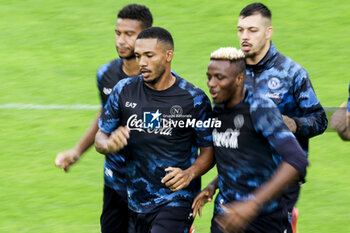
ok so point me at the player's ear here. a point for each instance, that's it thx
(169, 55)
(269, 32)
(240, 79)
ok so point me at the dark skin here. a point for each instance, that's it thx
(154, 58)
(126, 32)
(221, 79)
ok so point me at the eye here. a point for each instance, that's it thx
(149, 55)
(137, 56)
(220, 77)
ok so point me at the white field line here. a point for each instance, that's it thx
(17, 106)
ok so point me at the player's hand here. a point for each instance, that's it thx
(118, 139)
(201, 199)
(238, 215)
(338, 119)
(66, 159)
(290, 123)
(177, 178)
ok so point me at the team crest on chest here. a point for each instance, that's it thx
(274, 83)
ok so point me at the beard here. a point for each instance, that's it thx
(250, 54)
(157, 78)
(128, 57)
(131, 55)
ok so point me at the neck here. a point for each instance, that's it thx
(257, 58)
(164, 82)
(237, 98)
(130, 67)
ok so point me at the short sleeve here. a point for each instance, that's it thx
(110, 117)
(268, 120)
(203, 113)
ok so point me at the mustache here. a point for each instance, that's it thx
(144, 70)
(246, 43)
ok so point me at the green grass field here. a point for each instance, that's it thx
(49, 53)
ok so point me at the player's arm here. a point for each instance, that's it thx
(206, 195)
(240, 214)
(292, 168)
(313, 121)
(111, 137)
(177, 178)
(67, 158)
(114, 142)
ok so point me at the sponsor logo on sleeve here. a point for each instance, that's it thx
(107, 91)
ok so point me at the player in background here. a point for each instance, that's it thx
(281, 79)
(148, 117)
(131, 20)
(340, 120)
(257, 156)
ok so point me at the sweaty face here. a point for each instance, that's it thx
(220, 81)
(126, 32)
(151, 57)
(254, 34)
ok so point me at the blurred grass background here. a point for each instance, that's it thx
(49, 53)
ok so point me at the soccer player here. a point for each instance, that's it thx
(341, 120)
(159, 120)
(281, 79)
(131, 20)
(257, 156)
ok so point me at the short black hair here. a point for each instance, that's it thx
(256, 8)
(240, 67)
(157, 33)
(137, 12)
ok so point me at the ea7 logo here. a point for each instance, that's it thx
(130, 104)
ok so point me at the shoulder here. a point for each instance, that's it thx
(127, 83)
(105, 67)
(191, 89)
(197, 94)
(258, 100)
(264, 113)
(293, 68)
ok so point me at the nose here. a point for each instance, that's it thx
(244, 35)
(142, 61)
(120, 39)
(211, 82)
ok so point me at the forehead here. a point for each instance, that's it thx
(128, 25)
(256, 20)
(219, 67)
(146, 45)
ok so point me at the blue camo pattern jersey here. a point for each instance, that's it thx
(158, 139)
(348, 107)
(249, 146)
(108, 75)
(287, 84)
